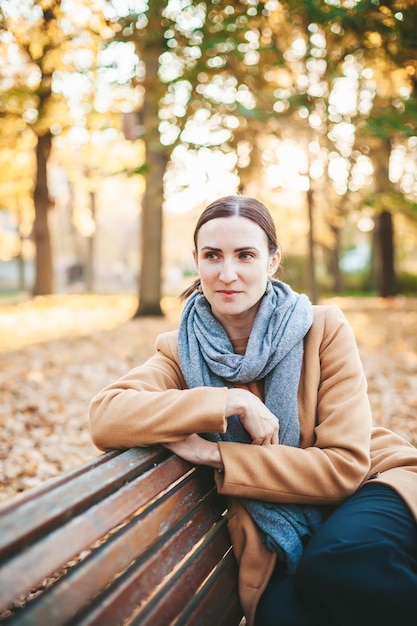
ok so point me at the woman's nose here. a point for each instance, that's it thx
(228, 271)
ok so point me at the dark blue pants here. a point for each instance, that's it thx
(360, 568)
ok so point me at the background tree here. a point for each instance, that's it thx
(44, 33)
(243, 80)
(38, 39)
(384, 43)
(188, 55)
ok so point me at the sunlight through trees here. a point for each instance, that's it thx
(119, 118)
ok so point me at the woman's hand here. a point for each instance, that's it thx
(197, 450)
(255, 417)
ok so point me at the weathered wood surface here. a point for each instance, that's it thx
(136, 536)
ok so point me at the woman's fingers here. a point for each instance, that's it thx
(256, 418)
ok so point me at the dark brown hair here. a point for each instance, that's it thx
(230, 206)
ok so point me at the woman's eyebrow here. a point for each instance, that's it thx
(240, 249)
(243, 248)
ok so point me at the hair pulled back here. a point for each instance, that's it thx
(241, 206)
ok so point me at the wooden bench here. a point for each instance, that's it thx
(132, 537)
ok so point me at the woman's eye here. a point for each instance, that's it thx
(246, 255)
(210, 256)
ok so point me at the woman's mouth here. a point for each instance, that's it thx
(228, 292)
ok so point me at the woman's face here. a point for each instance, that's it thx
(234, 264)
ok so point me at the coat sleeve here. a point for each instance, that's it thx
(335, 422)
(151, 404)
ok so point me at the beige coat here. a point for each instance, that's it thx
(339, 449)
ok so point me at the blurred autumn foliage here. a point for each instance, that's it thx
(56, 352)
(117, 119)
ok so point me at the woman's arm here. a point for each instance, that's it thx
(151, 405)
(261, 424)
(198, 451)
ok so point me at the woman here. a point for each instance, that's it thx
(269, 390)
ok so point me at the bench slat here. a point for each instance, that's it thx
(54, 550)
(38, 514)
(134, 537)
(218, 598)
(137, 584)
(184, 583)
(35, 493)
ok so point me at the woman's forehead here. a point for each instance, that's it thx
(231, 229)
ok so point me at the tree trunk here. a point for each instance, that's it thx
(157, 157)
(43, 264)
(20, 259)
(385, 279)
(311, 263)
(334, 261)
(91, 240)
(151, 238)
(384, 256)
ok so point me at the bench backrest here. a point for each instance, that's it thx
(132, 537)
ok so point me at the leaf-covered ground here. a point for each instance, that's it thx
(57, 352)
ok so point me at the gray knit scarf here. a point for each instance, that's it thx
(274, 353)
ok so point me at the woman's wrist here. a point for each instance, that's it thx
(235, 401)
(197, 450)
(208, 452)
(217, 461)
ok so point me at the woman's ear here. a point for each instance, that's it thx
(195, 257)
(274, 263)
